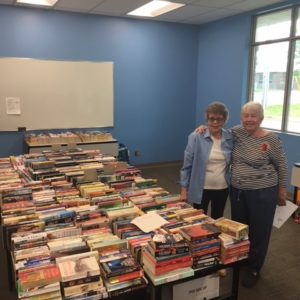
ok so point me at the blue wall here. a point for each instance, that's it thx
(154, 72)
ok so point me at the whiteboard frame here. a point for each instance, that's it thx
(56, 94)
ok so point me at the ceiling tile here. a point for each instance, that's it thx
(212, 16)
(253, 4)
(184, 13)
(216, 3)
(77, 5)
(6, 1)
(117, 7)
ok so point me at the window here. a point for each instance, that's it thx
(275, 68)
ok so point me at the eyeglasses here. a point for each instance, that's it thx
(217, 120)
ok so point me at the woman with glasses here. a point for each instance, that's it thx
(204, 176)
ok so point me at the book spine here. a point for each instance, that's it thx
(127, 290)
(171, 251)
(125, 277)
(172, 267)
(88, 279)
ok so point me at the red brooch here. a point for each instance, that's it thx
(264, 147)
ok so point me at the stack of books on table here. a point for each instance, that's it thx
(90, 217)
(106, 244)
(204, 244)
(234, 240)
(113, 201)
(39, 283)
(29, 250)
(17, 206)
(125, 212)
(67, 246)
(80, 276)
(57, 219)
(43, 197)
(166, 253)
(135, 237)
(121, 272)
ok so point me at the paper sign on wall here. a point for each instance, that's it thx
(13, 106)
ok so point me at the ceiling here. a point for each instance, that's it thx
(194, 12)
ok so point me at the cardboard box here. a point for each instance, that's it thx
(203, 288)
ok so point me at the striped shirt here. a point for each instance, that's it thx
(257, 162)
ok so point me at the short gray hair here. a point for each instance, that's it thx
(217, 108)
(257, 107)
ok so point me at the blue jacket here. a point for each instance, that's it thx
(196, 154)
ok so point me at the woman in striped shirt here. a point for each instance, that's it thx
(258, 183)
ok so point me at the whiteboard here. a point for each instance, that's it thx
(46, 94)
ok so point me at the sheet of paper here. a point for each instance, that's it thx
(13, 106)
(282, 213)
(149, 222)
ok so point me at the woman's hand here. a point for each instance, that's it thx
(183, 194)
(201, 129)
(281, 196)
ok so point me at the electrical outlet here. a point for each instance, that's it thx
(137, 153)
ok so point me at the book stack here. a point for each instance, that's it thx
(67, 246)
(71, 231)
(44, 197)
(93, 189)
(233, 250)
(156, 192)
(9, 178)
(44, 173)
(146, 203)
(90, 217)
(166, 199)
(123, 213)
(66, 192)
(39, 283)
(94, 136)
(15, 209)
(9, 231)
(136, 245)
(57, 219)
(29, 250)
(234, 240)
(121, 273)
(141, 182)
(124, 229)
(107, 244)
(121, 184)
(113, 201)
(72, 201)
(80, 276)
(204, 244)
(128, 173)
(100, 231)
(165, 253)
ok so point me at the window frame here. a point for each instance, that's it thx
(291, 39)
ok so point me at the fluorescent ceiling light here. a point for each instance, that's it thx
(155, 8)
(38, 2)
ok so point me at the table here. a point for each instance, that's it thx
(107, 147)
